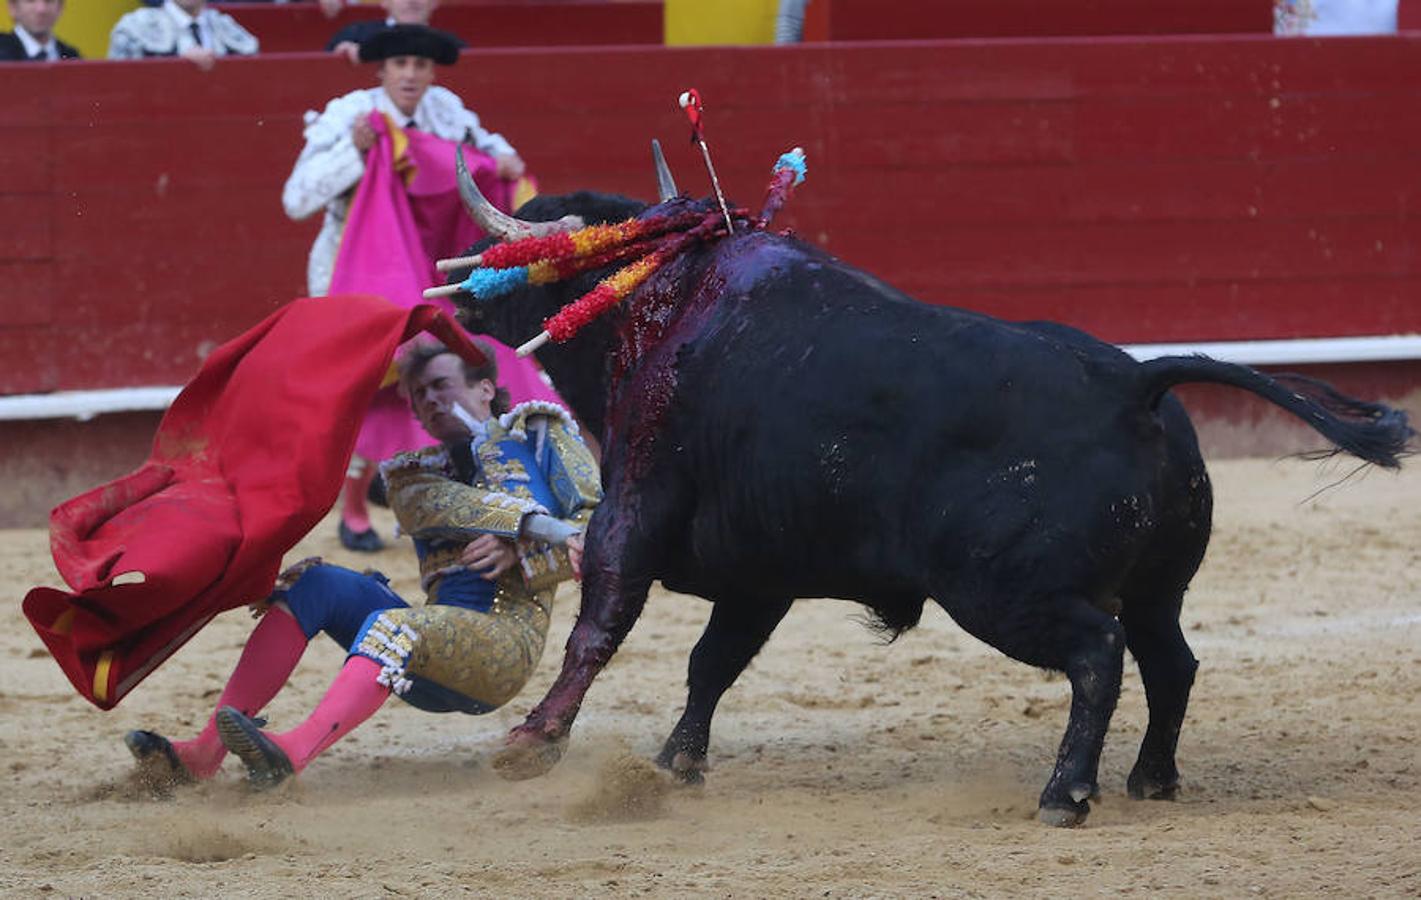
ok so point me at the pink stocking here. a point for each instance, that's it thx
(352, 698)
(267, 660)
(353, 511)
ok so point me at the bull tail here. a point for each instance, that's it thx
(1374, 432)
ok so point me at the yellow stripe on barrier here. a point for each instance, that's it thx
(723, 22)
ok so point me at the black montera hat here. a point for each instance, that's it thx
(411, 40)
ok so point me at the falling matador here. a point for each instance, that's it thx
(495, 510)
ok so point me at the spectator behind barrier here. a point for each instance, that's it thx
(160, 2)
(347, 41)
(789, 22)
(186, 28)
(1318, 18)
(33, 39)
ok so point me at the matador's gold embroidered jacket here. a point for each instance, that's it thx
(532, 461)
(476, 639)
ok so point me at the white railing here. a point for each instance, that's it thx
(84, 405)
(1302, 351)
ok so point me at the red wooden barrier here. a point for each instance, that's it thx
(1408, 15)
(296, 28)
(866, 20)
(1146, 190)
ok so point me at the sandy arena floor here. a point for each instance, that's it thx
(841, 767)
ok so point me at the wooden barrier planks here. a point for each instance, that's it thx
(1155, 189)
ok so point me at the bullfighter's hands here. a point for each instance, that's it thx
(510, 166)
(203, 58)
(490, 555)
(348, 49)
(574, 555)
(362, 135)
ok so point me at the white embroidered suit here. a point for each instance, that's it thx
(330, 167)
(167, 31)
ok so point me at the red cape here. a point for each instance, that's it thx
(249, 457)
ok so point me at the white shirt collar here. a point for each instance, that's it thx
(384, 104)
(32, 46)
(478, 436)
(178, 14)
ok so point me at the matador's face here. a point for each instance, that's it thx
(437, 391)
(405, 79)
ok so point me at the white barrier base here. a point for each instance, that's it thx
(84, 405)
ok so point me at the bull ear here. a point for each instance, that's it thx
(495, 221)
(665, 184)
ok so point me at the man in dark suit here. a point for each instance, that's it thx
(33, 38)
(347, 41)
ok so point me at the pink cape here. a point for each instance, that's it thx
(405, 216)
(248, 459)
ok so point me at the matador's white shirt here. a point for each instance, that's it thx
(330, 167)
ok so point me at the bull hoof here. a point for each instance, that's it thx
(1143, 787)
(1064, 816)
(687, 768)
(528, 757)
(1068, 808)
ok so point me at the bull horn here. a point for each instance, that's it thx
(665, 184)
(495, 221)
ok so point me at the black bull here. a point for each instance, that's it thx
(777, 424)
